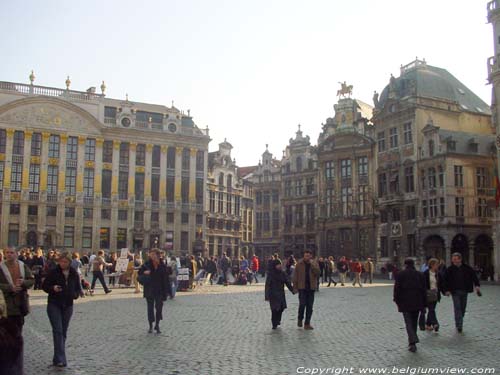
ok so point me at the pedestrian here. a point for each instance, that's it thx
(38, 265)
(98, 265)
(154, 276)
(112, 268)
(15, 279)
(305, 279)
(356, 268)
(275, 292)
(225, 265)
(322, 273)
(62, 285)
(369, 269)
(255, 267)
(173, 276)
(342, 268)
(459, 280)
(77, 265)
(211, 269)
(410, 297)
(193, 269)
(329, 268)
(434, 286)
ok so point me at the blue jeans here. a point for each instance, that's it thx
(459, 306)
(59, 317)
(173, 286)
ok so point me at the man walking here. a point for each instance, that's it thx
(410, 297)
(305, 280)
(98, 265)
(342, 268)
(369, 269)
(459, 280)
(255, 267)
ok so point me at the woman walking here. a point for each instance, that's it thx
(434, 284)
(154, 276)
(275, 293)
(63, 286)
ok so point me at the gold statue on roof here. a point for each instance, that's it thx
(345, 90)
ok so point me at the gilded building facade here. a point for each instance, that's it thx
(82, 171)
(299, 196)
(419, 117)
(224, 213)
(346, 197)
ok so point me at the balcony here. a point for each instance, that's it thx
(142, 124)
(49, 91)
(87, 200)
(51, 197)
(110, 120)
(33, 196)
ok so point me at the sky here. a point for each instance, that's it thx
(249, 70)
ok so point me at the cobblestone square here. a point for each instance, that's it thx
(228, 331)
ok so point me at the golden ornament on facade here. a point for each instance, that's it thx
(10, 133)
(53, 161)
(164, 149)
(107, 166)
(2, 157)
(99, 142)
(149, 147)
(133, 146)
(64, 138)
(193, 152)
(15, 196)
(45, 136)
(178, 151)
(89, 164)
(57, 121)
(116, 145)
(139, 169)
(35, 160)
(82, 139)
(28, 134)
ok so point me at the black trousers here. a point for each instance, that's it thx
(276, 317)
(98, 275)
(431, 315)
(306, 302)
(411, 322)
(155, 305)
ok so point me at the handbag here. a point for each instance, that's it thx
(431, 295)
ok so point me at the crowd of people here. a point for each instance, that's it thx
(62, 275)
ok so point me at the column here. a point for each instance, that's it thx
(79, 197)
(147, 194)
(61, 186)
(23, 217)
(163, 184)
(42, 196)
(131, 194)
(97, 201)
(177, 198)
(4, 234)
(113, 232)
(192, 197)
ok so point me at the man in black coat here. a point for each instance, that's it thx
(459, 280)
(154, 276)
(410, 296)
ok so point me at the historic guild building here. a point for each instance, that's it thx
(434, 167)
(346, 197)
(300, 196)
(82, 171)
(224, 214)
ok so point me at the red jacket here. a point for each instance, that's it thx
(356, 267)
(255, 264)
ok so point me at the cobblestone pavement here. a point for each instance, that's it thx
(227, 330)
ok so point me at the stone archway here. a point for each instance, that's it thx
(434, 247)
(483, 255)
(460, 244)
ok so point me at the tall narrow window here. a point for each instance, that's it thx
(408, 137)
(16, 178)
(72, 148)
(459, 176)
(88, 183)
(171, 158)
(155, 187)
(156, 156)
(345, 167)
(139, 186)
(140, 155)
(52, 177)
(34, 182)
(90, 149)
(200, 160)
(409, 180)
(106, 183)
(185, 159)
(3, 140)
(393, 137)
(107, 152)
(363, 166)
(123, 185)
(36, 144)
(18, 143)
(54, 146)
(70, 182)
(124, 153)
(330, 170)
(381, 141)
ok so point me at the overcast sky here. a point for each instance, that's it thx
(250, 70)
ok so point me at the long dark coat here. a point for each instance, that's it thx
(275, 289)
(410, 290)
(157, 284)
(440, 283)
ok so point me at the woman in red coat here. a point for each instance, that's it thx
(357, 268)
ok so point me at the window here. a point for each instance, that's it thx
(442, 207)
(69, 236)
(70, 183)
(69, 212)
(237, 204)
(32, 210)
(330, 203)
(104, 238)
(310, 186)
(394, 183)
(425, 212)
(431, 147)
(87, 237)
(459, 206)
(139, 216)
(298, 163)
(52, 211)
(171, 158)
(258, 198)
(88, 183)
(185, 159)
(155, 188)
(346, 197)
(54, 146)
(212, 201)
(229, 182)
(16, 177)
(330, 170)
(381, 141)
(452, 145)
(288, 188)
(122, 215)
(229, 203)
(52, 174)
(109, 113)
(412, 248)
(122, 185)
(124, 153)
(432, 178)
(481, 178)
(288, 216)
(185, 189)
(34, 178)
(15, 209)
(393, 137)
(36, 144)
(18, 143)
(363, 200)
(200, 160)
(2, 167)
(345, 168)
(382, 184)
(459, 176)
(410, 213)
(184, 241)
(156, 157)
(298, 187)
(384, 217)
(433, 208)
(482, 208)
(220, 206)
(276, 196)
(384, 251)
(139, 187)
(72, 148)
(107, 152)
(310, 214)
(184, 218)
(407, 133)
(423, 179)
(106, 184)
(276, 220)
(88, 213)
(396, 214)
(155, 217)
(170, 188)
(409, 180)
(140, 155)
(90, 149)
(441, 176)
(13, 239)
(299, 216)
(363, 166)
(3, 140)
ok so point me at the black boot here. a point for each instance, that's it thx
(150, 327)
